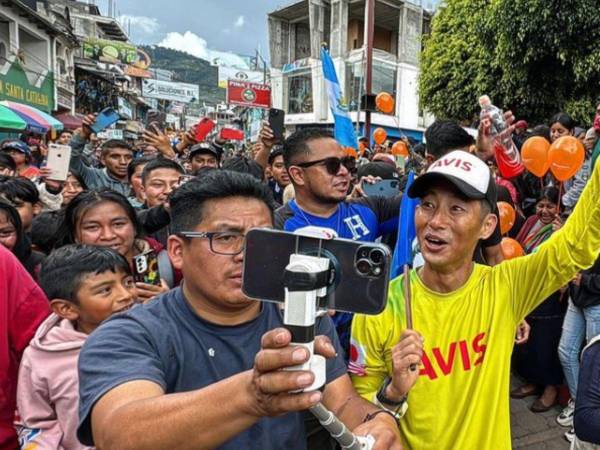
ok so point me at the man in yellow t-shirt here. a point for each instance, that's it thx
(467, 313)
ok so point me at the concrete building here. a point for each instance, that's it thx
(36, 56)
(296, 33)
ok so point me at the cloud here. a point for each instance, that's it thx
(239, 23)
(140, 24)
(193, 44)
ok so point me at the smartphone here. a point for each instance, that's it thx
(383, 188)
(155, 118)
(203, 127)
(58, 160)
(105, 119)
(145, 268)
(276, 119)
(232, 134)
(361, 269)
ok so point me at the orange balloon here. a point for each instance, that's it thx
(400, 149)
(379, 136)
(511, 248)
(507, 216)
(566, 157)
(535, 155)
(351, 152)
(385, 103)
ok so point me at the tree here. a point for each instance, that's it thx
(536, 57)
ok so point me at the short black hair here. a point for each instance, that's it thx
(541, 130)
(64, 270)
(160, 163)
(444, 136)
(297, 143)
(43, 230)
(18, 189)
(6, 161)
(243, 164)
(277, 151)
(116, 143)
(138, 162)
(187, 202)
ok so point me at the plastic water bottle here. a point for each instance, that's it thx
(495, 114)
(508, 158)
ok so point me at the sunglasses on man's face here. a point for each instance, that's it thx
(333, 164)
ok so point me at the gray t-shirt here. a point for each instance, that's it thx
(166, 342)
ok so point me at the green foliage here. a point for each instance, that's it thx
(188, 69)
(536, 57)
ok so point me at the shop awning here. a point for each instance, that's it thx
(70, 121)
(37, 121)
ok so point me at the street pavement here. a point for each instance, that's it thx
(532, 431)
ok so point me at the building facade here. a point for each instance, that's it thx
(296, 33)
(36, 57)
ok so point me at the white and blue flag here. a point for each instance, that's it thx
(344, 130)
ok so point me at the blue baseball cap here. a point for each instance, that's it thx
(17, 145)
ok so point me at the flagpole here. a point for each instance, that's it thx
(407, 297)
(369, 33)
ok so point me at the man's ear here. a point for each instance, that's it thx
(175, 250)
(36, 208)
(143, 192)
(65, 309)
(296, 175)
(489, 225)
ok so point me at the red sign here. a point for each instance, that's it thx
(244, 93)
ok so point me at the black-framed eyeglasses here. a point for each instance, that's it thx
(229, 243)
(332, 164)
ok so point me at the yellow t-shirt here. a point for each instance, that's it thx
(461, 400)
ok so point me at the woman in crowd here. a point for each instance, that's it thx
(537, 360)
(14, 239)
(54, 194)
(561, 124)
(107, 219)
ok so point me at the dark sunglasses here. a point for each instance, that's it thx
(332, 164)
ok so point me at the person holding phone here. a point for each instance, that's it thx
(115, 157)
(199, 366)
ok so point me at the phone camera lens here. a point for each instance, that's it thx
(376, 256)
(364, 266)
(363, 253)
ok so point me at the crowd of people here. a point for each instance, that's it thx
(95, 354)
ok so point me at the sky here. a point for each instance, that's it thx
(208, 29)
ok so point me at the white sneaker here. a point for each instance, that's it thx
(565, 418)
(570, 435)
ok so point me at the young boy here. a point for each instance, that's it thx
(85, 285)
(24, 196)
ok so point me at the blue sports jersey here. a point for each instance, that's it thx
(363, 219)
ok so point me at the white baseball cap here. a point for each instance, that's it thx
(470, 175)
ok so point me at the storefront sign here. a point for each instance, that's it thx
(232, 73)
(254, 95)
(15, 86)
(137, 72)
(167, 90)
(115, 52)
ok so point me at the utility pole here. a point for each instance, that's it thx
(369, 31)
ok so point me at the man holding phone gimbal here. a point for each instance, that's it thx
(200, 366)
